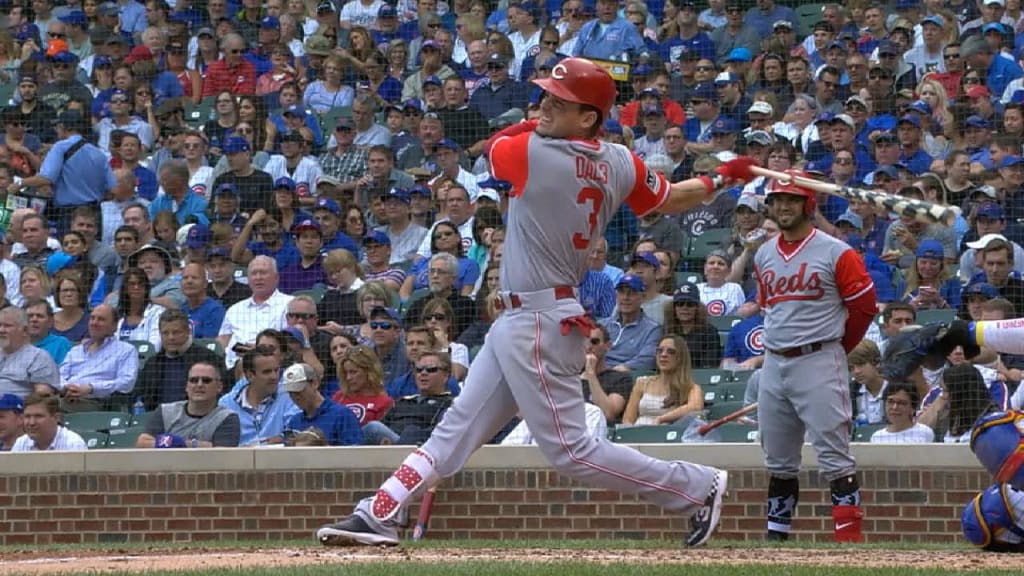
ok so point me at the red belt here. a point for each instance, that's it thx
(799, 350)
(561, 293)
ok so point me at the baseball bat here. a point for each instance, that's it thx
(920, 210)
(423, 518)
(726, 419)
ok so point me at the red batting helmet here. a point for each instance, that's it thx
(789, 187)
(580, 80)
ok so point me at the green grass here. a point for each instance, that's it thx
(569, 569)
(479, 544)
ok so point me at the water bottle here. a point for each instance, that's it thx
(862, 419)
(139, 407)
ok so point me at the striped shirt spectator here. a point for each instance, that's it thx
(101, 365)
(42, 430)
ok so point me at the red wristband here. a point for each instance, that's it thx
(712, 182)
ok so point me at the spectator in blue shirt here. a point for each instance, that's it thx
(204, 313)
(500, 93)
(262, 405)
(766, 13)
(634, 336)
(999, 71)
(309, 270)
(40, 330)
(339, 425)
(744, 349)
(178, 198)
(597, 294)
(911, 155)
(609, 37)
(690, 38)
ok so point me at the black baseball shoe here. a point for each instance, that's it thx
(355, 531)
(705, 521)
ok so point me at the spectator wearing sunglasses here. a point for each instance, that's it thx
(413, 418)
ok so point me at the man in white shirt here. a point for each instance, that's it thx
(121, 119)
(927, 56)
(360, 13)
(266, 308)
(522, 17)
(459, 207)
(291, 166)
(42, 430)
(368, 133)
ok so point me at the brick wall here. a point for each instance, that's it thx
(108, 507)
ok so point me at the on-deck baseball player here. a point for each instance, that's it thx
(566, 187)
(818, 301)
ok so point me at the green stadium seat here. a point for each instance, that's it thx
(648, 435)
(211, 344)
(711, 376)
(724, 323)
(141, 419)
(808, 15)
(711, 239)
(695, 277)
(145, 349)
(734, 432)
(728, 392)
(94, 440)
(124, 437)
(863, 432)
(721, 409)
(934, 316)
(316, 293)
(327, 119)
(199, 114)
(96, 421)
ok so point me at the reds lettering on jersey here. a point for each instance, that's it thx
(564, 194)
(803, 295)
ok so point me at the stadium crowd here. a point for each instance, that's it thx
(272, 222)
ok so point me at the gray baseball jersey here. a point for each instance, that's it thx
(603, 177)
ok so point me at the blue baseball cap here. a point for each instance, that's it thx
(612, 126)
(236, 144)
(376, 237)
(886, 170)
(1011, 161)
(59, 261)
(836, 44)
(446, 143)
(100, 61)
(226, 188)
(432, 80)
(295, 110)
(910, 119)
(271, 23)
(975, 121)
(727, 77)
(851, 218)
(936, 20)
(387, 11)
(414, 103)
(170, 441)
(652, 92)
(931, 249)
(495, 184)
(11, 402)
(329, 205)
(390, 313)
(981, 289)
(723, 126)
(990, 27)
(306, 224)
(199, 236)
(922, 107)
(27, 32)
(990, 211)
(218, 252)
(687, 292)
(65, 57)
(641, 71)
(740, 54)
(646, 258)
(400, 194)
(420, 190)
(284, 182)
(633, 282)
(825, 117)
(887, 47)
(75, 18)
(704, 91)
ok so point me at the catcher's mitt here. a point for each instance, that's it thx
(929, 345)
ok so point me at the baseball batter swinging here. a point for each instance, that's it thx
(818, 301)
(566, 187)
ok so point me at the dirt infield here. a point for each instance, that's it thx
(100, 562)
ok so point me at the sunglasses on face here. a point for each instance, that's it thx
(200, 380)
(382, 325)
(56, 35)
(118, 100)
(705, 68)
(428, 369)
(686, 304)
(436, 317)
(301, 315)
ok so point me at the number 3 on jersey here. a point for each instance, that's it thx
(595, 198)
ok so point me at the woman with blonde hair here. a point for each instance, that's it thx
(930, 283)
(34, 284)
(329, 91)
(468, 28)
(397, 54)
(668, 395)
(361, 47)
(934, 93)
(361, 381)
(344, 279)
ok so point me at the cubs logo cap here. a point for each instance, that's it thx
(284, 182)
(646, 258)
(297, 377)
(687, 292)
(631, 281)
(329, 205)
(199, 236)
(12, 402)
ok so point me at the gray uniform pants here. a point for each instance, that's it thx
(528, 365)
(811, 394)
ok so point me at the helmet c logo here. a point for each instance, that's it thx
(559, 72)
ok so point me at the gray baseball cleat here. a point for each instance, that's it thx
(705, 521)
(356, 531)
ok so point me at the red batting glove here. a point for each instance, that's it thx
(737, 170)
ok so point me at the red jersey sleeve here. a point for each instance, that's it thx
(858, 293)
(509, 158)
(650, 189)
